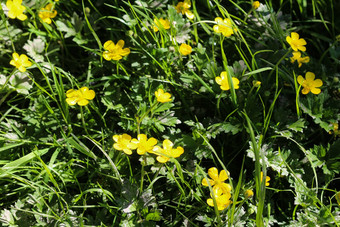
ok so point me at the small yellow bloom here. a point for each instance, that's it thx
(167, 151)
(267, 179)
(297, 57)
(256, 5)
(115, 52)
(224, 26)
(249, 193)
(222, 200)
(123, 143)
(185, 49)
(20, 62)
(16, 10)
(256, 83)
(309, 84)
(144, 144)
(217, 180)
(47, 13)
(162, 96)
(161, 23)
(295, 42)
(80, 96)
(183, 7)
(223, 81)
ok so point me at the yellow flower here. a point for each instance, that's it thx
(15, 9)
(115, 52)
(185, 49)
(217, 180)
(309, 84)
(162, 96)
(183, 7)
(144, 144)
(160, 23)
(123, 143)
(20, 62)
(223, 81)
(249, 193)
(222, 200)
(256, 4)
(295, 42)
(167, 151)
(47, 13)
(297, 57)
(224, 26)
(267, 179)
(256, 83)
(337, 197)
(80, 96)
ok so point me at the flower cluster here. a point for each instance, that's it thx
(144, 145)
(267, 179)
(221, 191)
(308, 83)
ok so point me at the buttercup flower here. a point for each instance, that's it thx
(256, 4)
(80, 96)
(249, 193)
(47, 13)
(309, 84)
(297, 57)
(222, 200)
(115, 52)
(295, 42)
(185, 49)
(161, 23)
(144, 144)
(20, 62)
(183, 7)
(217, 180)
(168, 151)
(223, 81)
(256, 83)
(224, 26)
(162, 96)
(16, 10)
(123, 143)
(267, 179)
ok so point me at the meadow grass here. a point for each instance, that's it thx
(169, 113)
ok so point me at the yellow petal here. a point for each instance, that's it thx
(162, 159)
(213, 173)
(315, 91)
(218, 80)
(235, 82)
(205, 182)
(300, 79)
(210, 202)
(121, 43)
(72, 101)
(223, 175)
(317, 83)
(288, 39)
(305, 90)
(189, 14)
(310, 76)
(109, 45)
(294, 35)
(83, 102)
(124, 51)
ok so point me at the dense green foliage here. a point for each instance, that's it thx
(61, 164)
